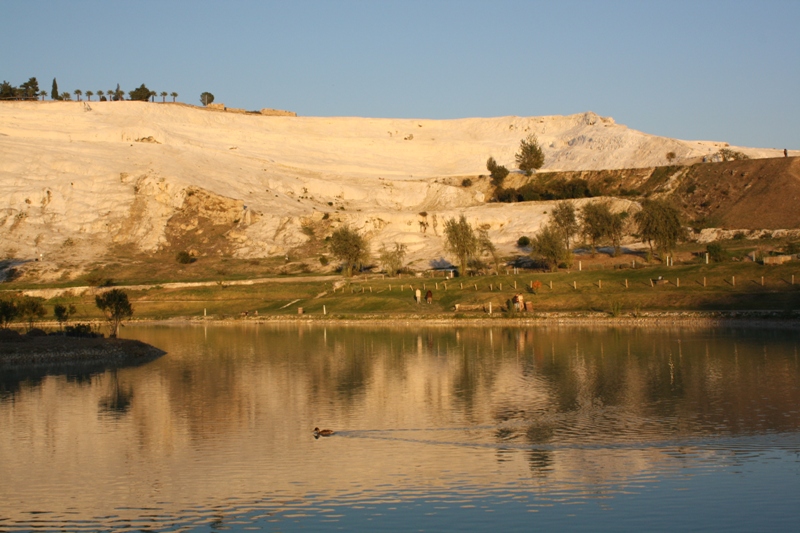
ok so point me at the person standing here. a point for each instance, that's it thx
(785, 152)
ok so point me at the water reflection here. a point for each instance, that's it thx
(221, 426)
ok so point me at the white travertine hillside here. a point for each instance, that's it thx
(77, 177)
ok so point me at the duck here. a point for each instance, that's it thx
(323, 432)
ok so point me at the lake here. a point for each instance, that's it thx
(437, 428)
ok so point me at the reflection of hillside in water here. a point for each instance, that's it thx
(230, 410)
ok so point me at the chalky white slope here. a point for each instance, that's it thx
(77, 178)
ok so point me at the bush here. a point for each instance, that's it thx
(323, 260)
(466, 182)
(185, 258)
(717, 253)
(739, 236)
(80, 330)
(524, 241)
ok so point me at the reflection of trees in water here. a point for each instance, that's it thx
(596, 379)
(118, 402)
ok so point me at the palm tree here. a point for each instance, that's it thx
(174, 95)
(65, 96)
(100, 94)
(163, 96)
(89, 95)
(78, 94)
(42, 94)
(153, 95)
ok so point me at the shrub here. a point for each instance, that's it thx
(717, 253)
(466, 182)
(80, 330)
(739, 236)
(185, 258)
(524, 241)
(323, 260)
(530, 156)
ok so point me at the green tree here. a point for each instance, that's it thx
(30, 88)
(497, 172)
(42, 93)
(119, 94)
(548, 245)
(392, 259)
(31, 309)
(174, 95)
(65, 96)
(206, 98)
(78, 94)
(530, 156)
(486, 246)
(115, 306)
(659, 223)
(601, 225)
(54, 94)
(100, 94)
(8, 311)
(460, 240)
(7, 91)
(141, 94)
(564, 218)
(349, 247)
(164, 96)
(89, 95)
(62, 314)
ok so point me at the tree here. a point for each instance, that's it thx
(486, 246)
(600, 225)
(659, 223)
(174, 95)
(54, 95)
(497, 172)
(42, 93)
(548, 244)
(30, 88)
(115, 306)
(530, 156)
(163, 96)
(8, 312)
(206, 98)
(392, 259)
(7, 91)
(118, 94)
(30, 309)
(78, 94)
(460, 241)
(100, 94)
(89, 95)
(348, 246)
(141, 94)
(564, 218)
(65, 96)
(62, 314)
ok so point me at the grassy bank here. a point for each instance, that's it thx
(616, 291)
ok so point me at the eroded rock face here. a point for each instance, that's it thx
(74, 182)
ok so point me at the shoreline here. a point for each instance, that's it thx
(771, 319)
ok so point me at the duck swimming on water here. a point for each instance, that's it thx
(323, 432)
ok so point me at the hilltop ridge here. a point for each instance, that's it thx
(78, 178)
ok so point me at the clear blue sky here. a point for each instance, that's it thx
(711, 70)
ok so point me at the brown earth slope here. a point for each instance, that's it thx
(750, 194)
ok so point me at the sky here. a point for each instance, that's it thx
(695, 70)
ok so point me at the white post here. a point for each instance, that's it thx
(490, 308)
(579, 266)
(204, 311)
(324, 311)
(706, 257)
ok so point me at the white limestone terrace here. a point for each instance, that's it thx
(78, 177)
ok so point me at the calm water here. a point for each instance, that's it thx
(438, 429)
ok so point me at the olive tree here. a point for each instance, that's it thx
(62, 313)
(8, 312)
(548, 245)
(564, 218)
(659, 223)
(486, 246)
(392, 258)
(530, 156)
(31, 309)
(460, 240)
(349, 247)
(115, 306)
